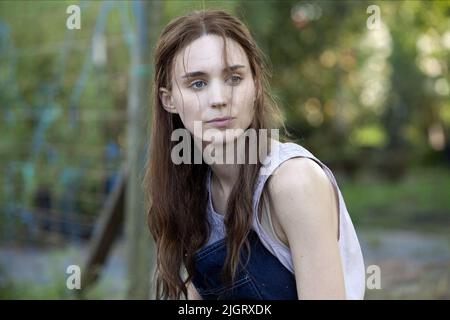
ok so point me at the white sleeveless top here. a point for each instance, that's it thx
(351, 255)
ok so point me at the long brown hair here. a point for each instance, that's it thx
(177, 194)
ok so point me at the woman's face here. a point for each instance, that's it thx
(202, 90)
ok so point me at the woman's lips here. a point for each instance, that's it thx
(221, 122)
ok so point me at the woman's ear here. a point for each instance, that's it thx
(167, 100)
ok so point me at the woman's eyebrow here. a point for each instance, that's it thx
(202, 73)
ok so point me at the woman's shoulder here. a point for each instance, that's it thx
(301, 194)
(298, 172)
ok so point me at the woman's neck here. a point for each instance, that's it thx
(225, 175)
(224, 163)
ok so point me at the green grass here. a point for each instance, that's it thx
(420, 200)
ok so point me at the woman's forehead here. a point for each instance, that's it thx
(206, 54)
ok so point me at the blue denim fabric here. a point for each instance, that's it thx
(263, 278)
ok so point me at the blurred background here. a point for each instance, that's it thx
(364, 85)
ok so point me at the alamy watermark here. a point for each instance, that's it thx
(373, 277)
(226, 146)
(374, 20)
(73, 21)
(73, 281)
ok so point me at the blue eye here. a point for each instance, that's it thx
(236, 79)
(193, 85)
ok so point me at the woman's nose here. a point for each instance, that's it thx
(217, 95)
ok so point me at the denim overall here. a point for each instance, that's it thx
(263, 277)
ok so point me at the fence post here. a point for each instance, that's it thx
(139, 243)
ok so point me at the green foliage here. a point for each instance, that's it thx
(357, 98)
(336, 79)
(418, 201)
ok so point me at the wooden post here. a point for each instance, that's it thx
(106, 231)
(139, 242)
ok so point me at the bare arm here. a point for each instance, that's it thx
(307, 210)
(193, 293)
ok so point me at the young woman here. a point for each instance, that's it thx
(275, 228)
